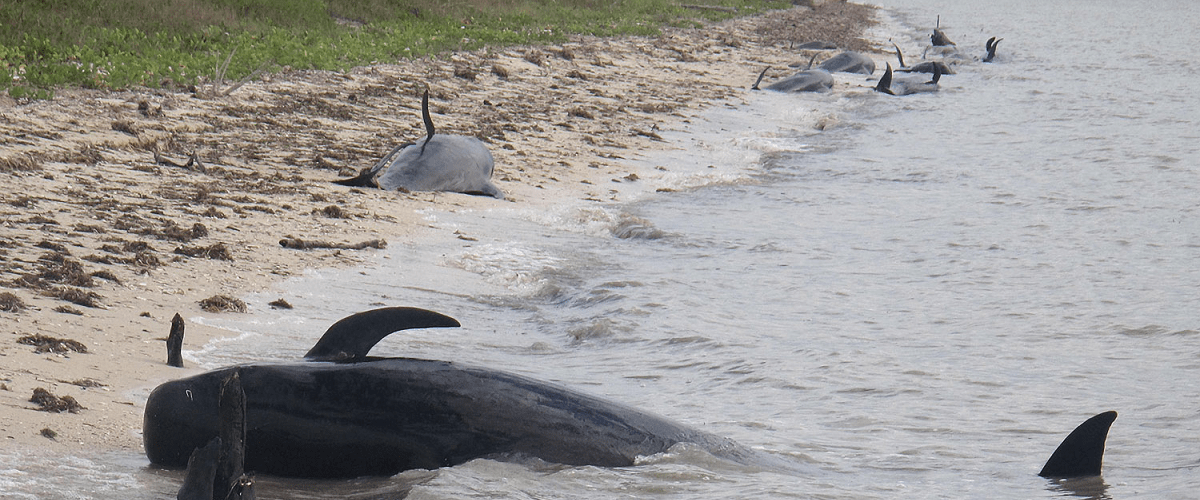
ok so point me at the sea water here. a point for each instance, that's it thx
(912, 297)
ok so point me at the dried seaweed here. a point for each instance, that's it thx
(222, 303)
(49, 402)
(299, 244)
(52, 344)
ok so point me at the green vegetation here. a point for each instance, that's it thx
(121, 43)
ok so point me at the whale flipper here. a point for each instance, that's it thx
(351, 338)
(1082, 452)
(937, 75)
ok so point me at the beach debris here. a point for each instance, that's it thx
(193, 162)
(222, 303)
(216, 251)
(75, 296)
(10, 302)
(175, 342)
(279, 304)
(299, 244)
(50, 344)
(84, 382)
(332, 211)
(65, 309)
(51, 403)
(48, 433)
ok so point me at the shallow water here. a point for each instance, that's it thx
(920, 301)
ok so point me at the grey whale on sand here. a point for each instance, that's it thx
(443, 162)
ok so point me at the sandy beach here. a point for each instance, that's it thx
(108, 231)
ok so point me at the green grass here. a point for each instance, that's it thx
(115, 44)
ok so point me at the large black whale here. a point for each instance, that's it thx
(344, 414)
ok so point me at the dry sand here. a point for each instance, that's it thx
(102, 244)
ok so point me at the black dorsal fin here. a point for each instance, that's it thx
(885, 82)
(427, 119)
(1081, 454)
(760, 77)
(353, 336)
(899, 55)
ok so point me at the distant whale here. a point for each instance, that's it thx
(938, 38)
(809, 80)
(849, 62)
(453, 163)
(904, 86)
(345, 414)
(924, 67)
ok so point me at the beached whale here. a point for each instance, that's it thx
(904, 86)
(345, 414)
(923, 67)
(849, 62)
(809, 80)
(453, 163)
(938, 38)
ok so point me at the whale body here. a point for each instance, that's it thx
(355, 415)
(454, 163)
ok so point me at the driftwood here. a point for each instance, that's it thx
(707, 7)
(193, 162)
(299, 244)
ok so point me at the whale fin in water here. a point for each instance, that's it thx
(899, 55)
(1082, 452)
(885, 81)
(352, 337)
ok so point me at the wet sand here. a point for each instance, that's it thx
(103, 241)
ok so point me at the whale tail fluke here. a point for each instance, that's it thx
(1081, 454)
(352, 337)
(990, 45)
(885, 81)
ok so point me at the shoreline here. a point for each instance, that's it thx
(271, 149)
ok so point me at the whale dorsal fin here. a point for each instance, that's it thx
(899, 55)
(428, 121)
(353, 336)
(1082, 452)
(760, 77)
(885, 82)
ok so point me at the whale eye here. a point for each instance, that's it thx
(189, 394)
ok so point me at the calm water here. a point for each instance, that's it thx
(919, 302)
